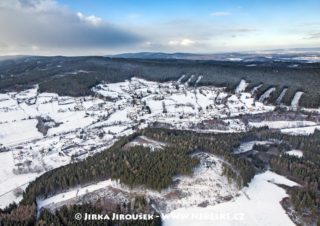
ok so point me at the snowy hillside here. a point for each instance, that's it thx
(42, 131)
(205, 187)
(259, 204)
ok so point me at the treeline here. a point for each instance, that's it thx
(56, 74)
(304, 199)
(140, 166)
(22, 215)
(306, 171)
(222, 145)
(306, 203)
(133, 167)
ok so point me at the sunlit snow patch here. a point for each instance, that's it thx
(296, 99)
(181, 78)
(266, 94)
(282, 124)
(242, 86)
(307, 130)
(283, 92)
(198, 80)
(146, 142)
(248, 146)
(296, 153)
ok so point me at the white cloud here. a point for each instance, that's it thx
(181, 42)
(220, 14)
(34, 47)
(94, 20)
(46, 27)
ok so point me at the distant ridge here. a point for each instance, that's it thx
(297, 54)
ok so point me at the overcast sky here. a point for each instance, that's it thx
(100, 27)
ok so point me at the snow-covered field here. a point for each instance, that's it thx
(301, 127)
(306, 130)
(258, 204)
(297, 153)
(283, 124)
(153, 145)
(248, 146)
(11, 183)
(13, 133)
